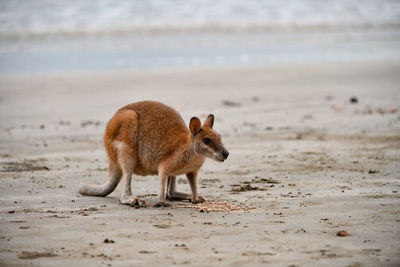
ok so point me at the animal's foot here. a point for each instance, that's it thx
(142, 203)
(131, 201)
(138, 203)
(171, 198)
(179, 196)
(199, 199)
(161, 204)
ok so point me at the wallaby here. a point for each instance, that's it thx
(149, 138)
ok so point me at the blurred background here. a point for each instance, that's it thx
(83, 35)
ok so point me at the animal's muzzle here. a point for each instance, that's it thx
(225, 154)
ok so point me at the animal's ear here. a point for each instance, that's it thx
(209, 122)
(194, 125)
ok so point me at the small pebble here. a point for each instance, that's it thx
(353, 100)
(342, 233)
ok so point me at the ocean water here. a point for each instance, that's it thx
(56, 35)
(21, 17)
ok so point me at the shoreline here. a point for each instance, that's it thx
(201, 29)
(174, 50)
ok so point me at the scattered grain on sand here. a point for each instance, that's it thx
(217, 206)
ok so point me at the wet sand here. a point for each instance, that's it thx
(304, 161)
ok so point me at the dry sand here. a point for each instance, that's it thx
(306, 161)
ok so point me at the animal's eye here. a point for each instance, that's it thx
(207, 141)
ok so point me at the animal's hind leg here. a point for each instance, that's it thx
(163, 183)
(121, 141)
(103, 190)
(172, 194)
(127, 162)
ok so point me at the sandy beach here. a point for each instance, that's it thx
(304, 161)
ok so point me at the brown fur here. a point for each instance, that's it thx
(148, 138)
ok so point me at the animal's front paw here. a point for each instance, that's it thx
(161, 204)
(199, 199)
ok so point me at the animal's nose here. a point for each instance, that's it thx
(225, 154)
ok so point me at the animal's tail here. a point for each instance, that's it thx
(104, 189)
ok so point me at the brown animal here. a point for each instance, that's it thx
(149, 138)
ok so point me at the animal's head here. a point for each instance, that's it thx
(207, 141)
